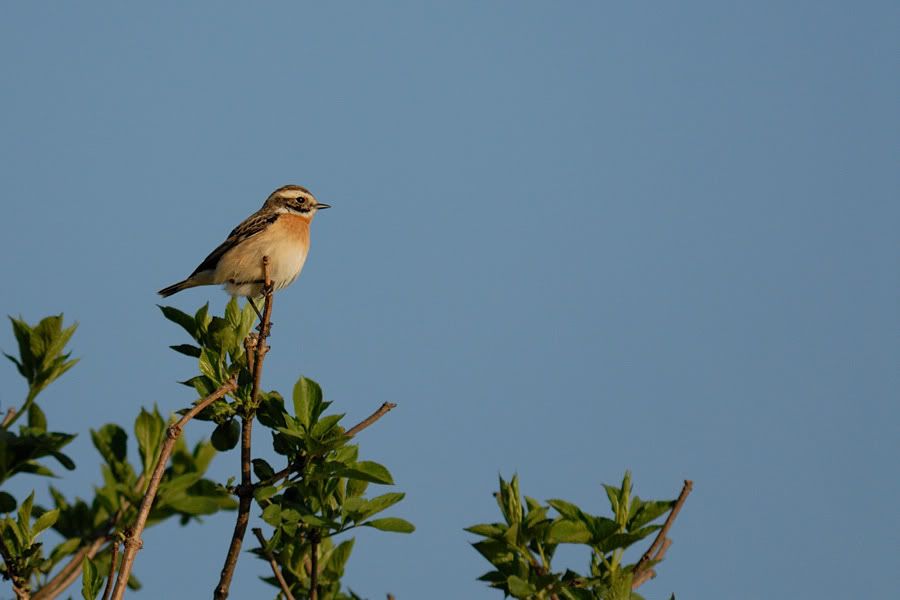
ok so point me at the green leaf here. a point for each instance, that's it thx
(111, 442)
(356, 487)
(195, 505)
(379, 503)
(187, 350)
(624, 540)
(210, 365)
(48, 519)
(566, 509)
(264, 493)
(226, 435)
(262, 469)
(307, 401)
(272, 515)
(179, 484)
(202, 319)
(64, 549)
(325, 425)
(148, 429)
(520, 588)
(185, 320)
(7, 503)
(36, 418)
(334, 565)
(91, 579)
(391, 524)
(488, 530)
(367, 471)
(565, 531)
(649, 511)
(24, 514)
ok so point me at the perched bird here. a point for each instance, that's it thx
(279, 230)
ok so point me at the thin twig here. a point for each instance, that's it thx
(112, 568)
(368, 421)
(314, 566)
(69, 573)
(647, 574)
(9, 417)
(133, 541)
(657, 550)
(245, 490)
(285, 588)
(382, 410)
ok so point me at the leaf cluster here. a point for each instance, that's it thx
(521, 547)
(84, 525)
(320, 492)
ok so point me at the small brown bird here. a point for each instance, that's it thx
(279, 230)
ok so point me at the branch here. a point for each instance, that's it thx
(314, 566)
(368, 421)
(245, 490)
(285, 588)
(133, 541)
(8, 418)
(69, 573)
(112, 569)
(382, 410)
(657, 550)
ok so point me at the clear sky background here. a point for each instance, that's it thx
(567, 239)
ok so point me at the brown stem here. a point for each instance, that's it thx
(69, 573)
(9, 417)
(382, 410)
(245, 490)
(112, 569)
(314, 566)
(285, 588)
(133, 541)
(657, 550)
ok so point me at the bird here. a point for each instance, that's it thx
(278, 230)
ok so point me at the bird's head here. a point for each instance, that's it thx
(296, 200)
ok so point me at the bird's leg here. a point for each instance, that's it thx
(256, 310)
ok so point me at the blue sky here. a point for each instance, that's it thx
(566, 240)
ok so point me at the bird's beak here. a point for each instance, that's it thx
(320, 206)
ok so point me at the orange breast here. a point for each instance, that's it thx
(293, 226)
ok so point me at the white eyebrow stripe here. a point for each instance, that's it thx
(293, 194)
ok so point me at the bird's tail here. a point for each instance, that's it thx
(175, 288)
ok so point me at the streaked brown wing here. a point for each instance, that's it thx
(253, 225)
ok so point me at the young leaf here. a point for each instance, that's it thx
(307, 401)
(187, 322)
(391, 524)
(36, 418)
(48, 519)
(367, 471)
(149, 431)
(520, 588)
(91, 579)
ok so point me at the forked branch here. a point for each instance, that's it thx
(133, 538)
(643, 571)
(285, 588)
